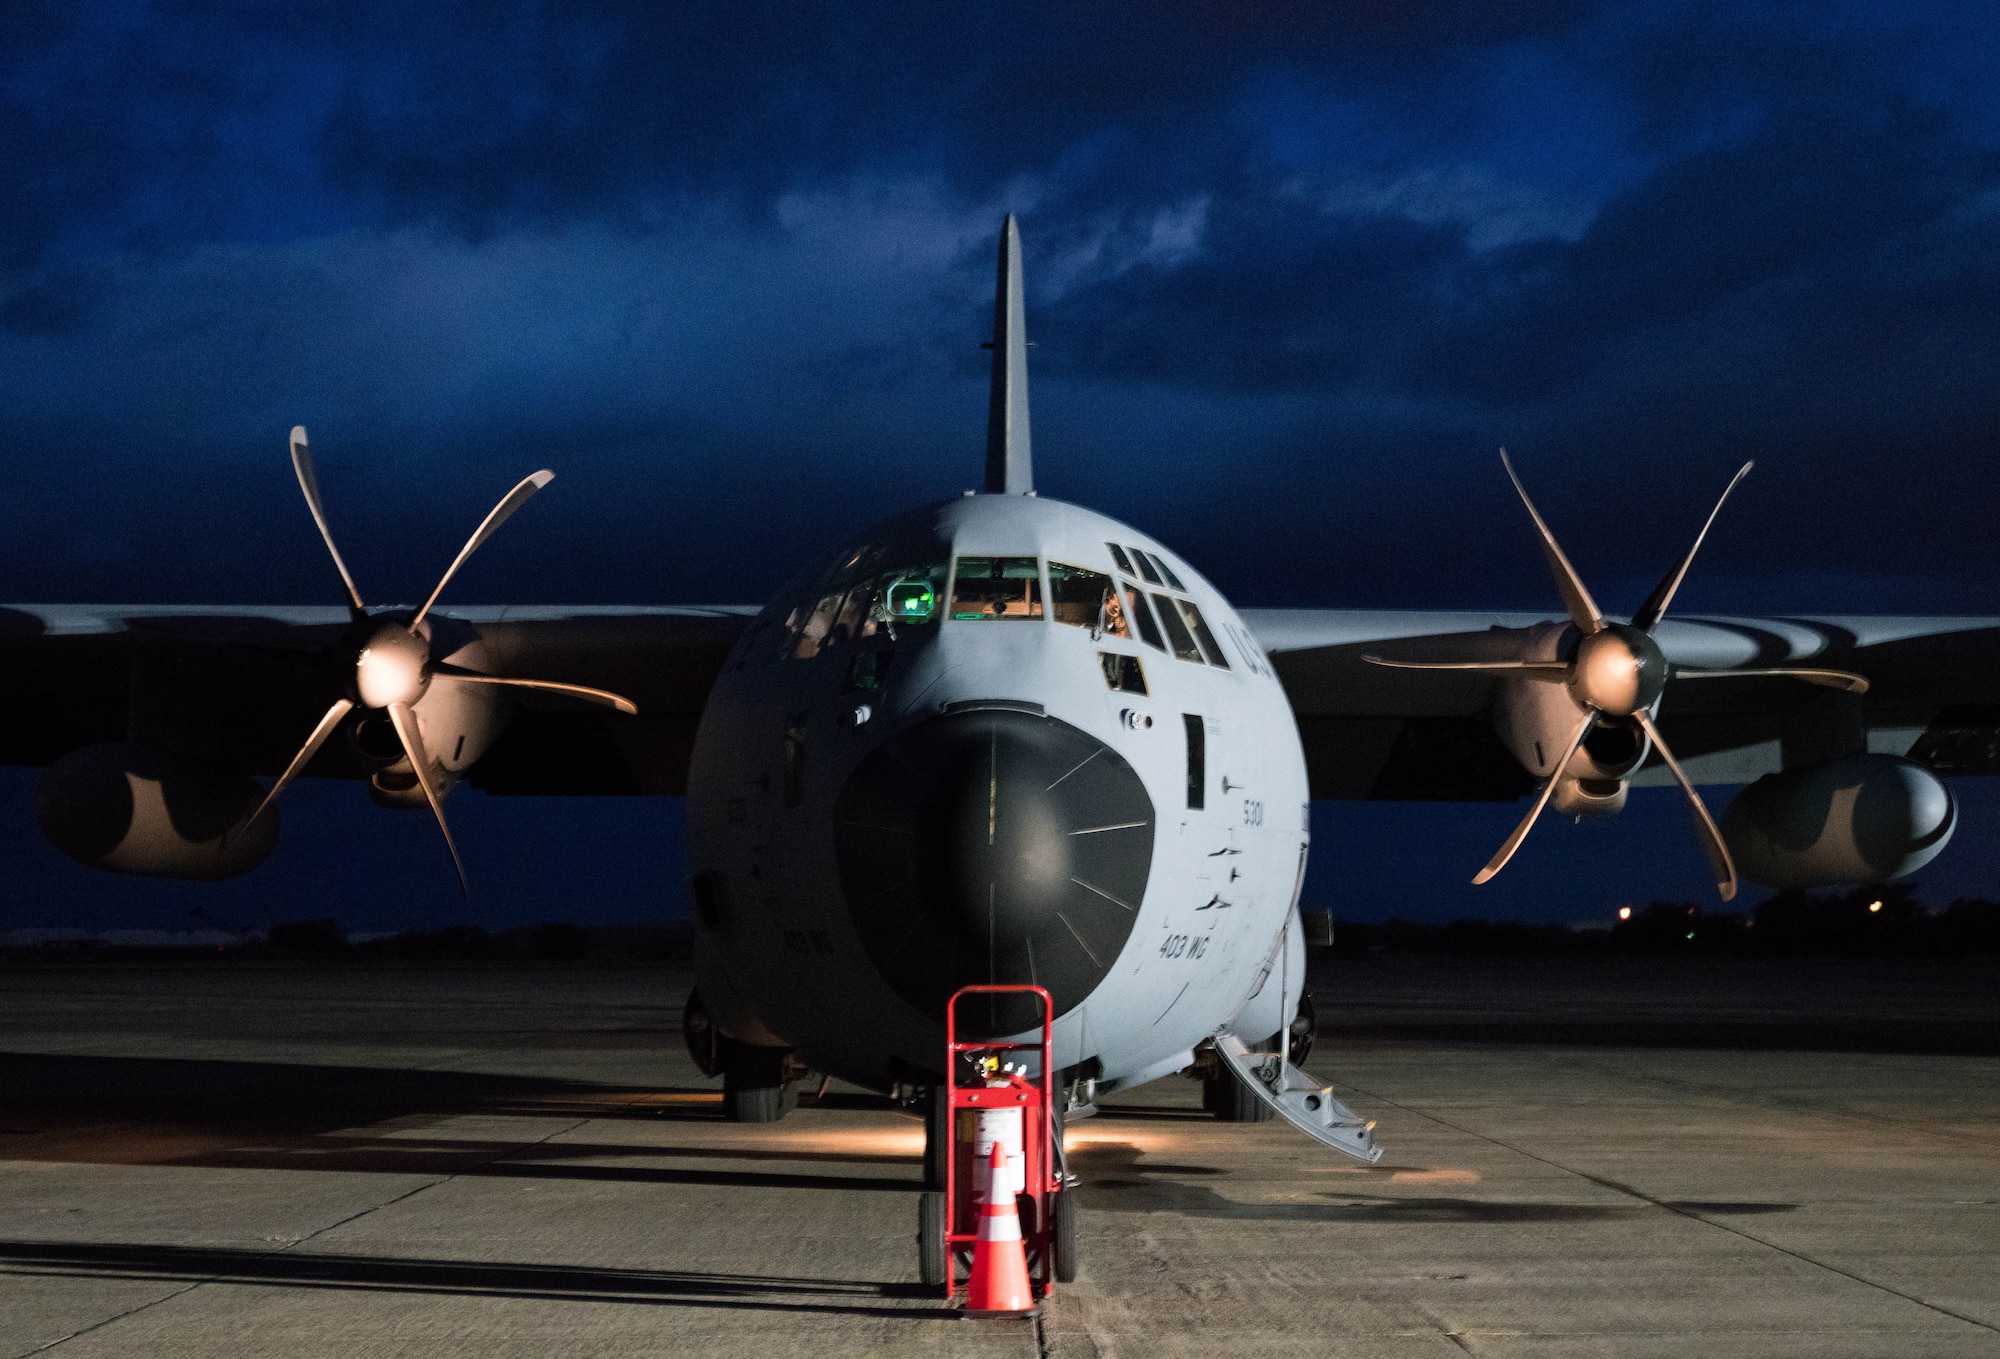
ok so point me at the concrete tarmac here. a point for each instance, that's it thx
(351, 1160)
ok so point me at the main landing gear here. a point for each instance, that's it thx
(1228, 1098)
(759, 1084)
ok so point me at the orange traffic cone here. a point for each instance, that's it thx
(999, 1284)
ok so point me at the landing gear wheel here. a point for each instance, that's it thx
(1302, 1030)
(757, 1104)
(700, 1035)
(1062, 1235)
(754, 1089)
(933, 1263)
(1229, 1100)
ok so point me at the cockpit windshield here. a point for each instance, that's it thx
(996, 587)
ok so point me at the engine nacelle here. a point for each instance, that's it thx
(129, 809)
(1535, 720)
(1862, 819)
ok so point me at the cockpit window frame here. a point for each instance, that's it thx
(1180, 641)
(1172, 581)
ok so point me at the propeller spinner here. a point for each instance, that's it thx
(1617, 671)
(391, 657)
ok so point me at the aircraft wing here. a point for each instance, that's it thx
(1372, 732)
(243, 684)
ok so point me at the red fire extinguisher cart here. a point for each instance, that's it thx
(986, 1082)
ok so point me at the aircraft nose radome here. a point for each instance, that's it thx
(996, 848)
(993, 846)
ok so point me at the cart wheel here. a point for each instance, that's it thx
(1062, 1235)
(933, 1262)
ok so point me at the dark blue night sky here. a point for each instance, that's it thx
(1295, 271)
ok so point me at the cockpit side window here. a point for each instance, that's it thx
(1117, 622)
(1199, 626)
(1137, 610)
(1124, 562)
(1084, 599)
(1146, 568)
(1178, 637)
(1122, 672)
(813, 632)
(996, 587)
(1167, 572)
(857, 565)
(852, 620)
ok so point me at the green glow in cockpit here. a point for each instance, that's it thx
(911, 599)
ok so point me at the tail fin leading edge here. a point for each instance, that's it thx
(1009, 462)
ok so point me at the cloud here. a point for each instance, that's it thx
(1328, 255)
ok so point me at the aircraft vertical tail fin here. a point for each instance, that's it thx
(1009, 462)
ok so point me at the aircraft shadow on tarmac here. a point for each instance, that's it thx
(258, 1115)
(305, 1269)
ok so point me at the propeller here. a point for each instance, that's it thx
(1616, 671)
(391, 655)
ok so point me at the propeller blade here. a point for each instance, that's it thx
(1845, 680)
(1499, 861)
(340, 709)
(1548, 670)
(1656, 603)
(404, 719)
(1719, 861)
(502, 512)
(1582, 608)
(583, 691)
(302, 464)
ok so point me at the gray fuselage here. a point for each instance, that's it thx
(1043, 778)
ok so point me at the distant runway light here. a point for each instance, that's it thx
(1874, 906)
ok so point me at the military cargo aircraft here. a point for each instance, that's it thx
(1002, 739)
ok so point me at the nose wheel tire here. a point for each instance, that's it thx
(1062, 1235)
(933, 1263)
